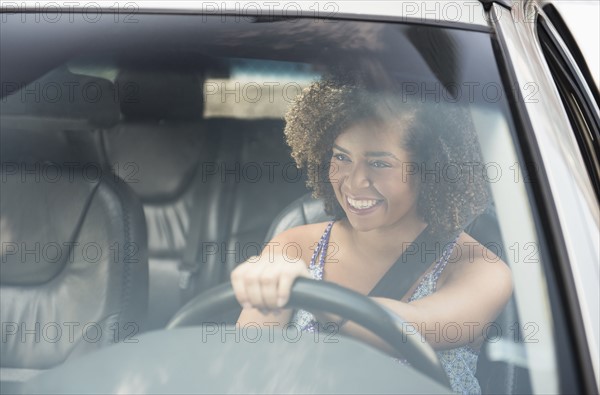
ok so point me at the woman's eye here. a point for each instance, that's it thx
(340, 157)
(379, 164)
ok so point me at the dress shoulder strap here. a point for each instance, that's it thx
(443, 261)
(321, 252)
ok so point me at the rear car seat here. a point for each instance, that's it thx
(74, 269)
(210, 187)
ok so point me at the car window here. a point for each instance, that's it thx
(188, 111)
(256, 88)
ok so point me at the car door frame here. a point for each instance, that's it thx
(566, 215)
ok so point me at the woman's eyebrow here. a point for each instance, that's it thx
(377, 154)
(337, 147)
(381, 154)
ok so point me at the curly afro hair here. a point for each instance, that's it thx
(440, 138)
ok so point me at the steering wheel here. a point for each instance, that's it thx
(330, 298)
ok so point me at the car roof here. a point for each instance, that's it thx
(439, 11)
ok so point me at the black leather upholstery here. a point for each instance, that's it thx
(225, 175)
(74, 257)
(302, 211)
(157, 149)
(74, 266)
(164, 95)
(68, 96)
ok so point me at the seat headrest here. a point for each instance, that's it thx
(37, 147)
(304, 210)
(164, 95)
(66, 96)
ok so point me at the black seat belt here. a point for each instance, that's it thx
(200, 199)
(414, 261)
(189, 266)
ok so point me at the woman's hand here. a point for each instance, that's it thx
(265, 282)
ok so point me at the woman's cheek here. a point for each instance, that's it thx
(334, 172)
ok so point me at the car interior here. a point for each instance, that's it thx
(146, 196)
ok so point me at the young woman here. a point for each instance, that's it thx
(386, 169)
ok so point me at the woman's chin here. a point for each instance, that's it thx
(363, 224)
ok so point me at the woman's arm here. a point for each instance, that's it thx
(456, 314)
(470, 296)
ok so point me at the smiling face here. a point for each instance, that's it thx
(368, 175)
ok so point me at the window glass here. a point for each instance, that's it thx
(256, 89)
(137, 98)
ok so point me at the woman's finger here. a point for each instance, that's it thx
(239, 285)
(252, 284)
(287, 280)
(269, 281)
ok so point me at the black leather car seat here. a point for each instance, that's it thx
(495, 376)
(206, 206)
(157, 149)
(74, 268)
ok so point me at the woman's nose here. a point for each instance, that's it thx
(359, 177)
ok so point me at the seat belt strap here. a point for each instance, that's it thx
(414, 261)
(189, 266)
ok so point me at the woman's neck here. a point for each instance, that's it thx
(386, 242)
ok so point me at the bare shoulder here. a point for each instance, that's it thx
(471, 260)
(298, 242)
(302, 233)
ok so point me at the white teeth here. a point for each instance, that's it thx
(362, 204)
